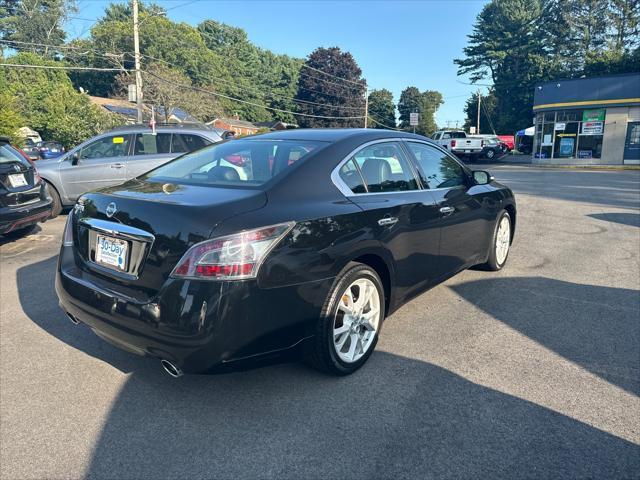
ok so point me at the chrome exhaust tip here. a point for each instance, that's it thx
(171, 369)
(73, 319)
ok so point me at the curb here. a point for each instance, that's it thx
(576, 167)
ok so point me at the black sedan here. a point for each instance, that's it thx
(303, 247)
(23, 196)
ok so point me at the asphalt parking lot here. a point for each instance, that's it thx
(533, 371)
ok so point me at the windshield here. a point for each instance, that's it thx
(9, 154)
(236, 162)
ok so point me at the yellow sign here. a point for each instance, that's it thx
(566, 135)
(118, 139)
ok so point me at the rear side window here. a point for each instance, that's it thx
(458, 135)
(350, 175)
(385, 168)
(186, 142)
(437, 169)
(149, 144)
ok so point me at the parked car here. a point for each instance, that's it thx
(116, 156)
(50, 150)
(459, 143)
(30, 148)
(23, 197)
(204, 270)
(492, 148)
(508, 141)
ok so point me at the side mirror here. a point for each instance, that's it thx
(75, 158)
(482, 178)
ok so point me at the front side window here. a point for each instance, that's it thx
(437, 169)
(385, 168)
(149, 144)
(107, 147)
(239, 162)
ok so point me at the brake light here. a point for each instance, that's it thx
(67, 236)
(482, 143)
(453, 144)
(232, 257)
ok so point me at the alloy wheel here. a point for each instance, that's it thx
(503, 240)
(356, 320)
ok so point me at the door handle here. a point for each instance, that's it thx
(446, 211)
(117, 165)
(387, 221)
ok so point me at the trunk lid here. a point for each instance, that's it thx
(18, 183)
(159, 222)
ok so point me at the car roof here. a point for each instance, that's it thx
(143, 127)
(336, 134)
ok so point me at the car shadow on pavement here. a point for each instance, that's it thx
(594, 327)
(396, 418)
(623, 218)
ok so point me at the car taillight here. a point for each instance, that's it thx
(67, 236)
(232, 257)
(482, 143)
(453, 143)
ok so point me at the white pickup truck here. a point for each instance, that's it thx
(459, 143)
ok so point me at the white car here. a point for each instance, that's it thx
(459, 143)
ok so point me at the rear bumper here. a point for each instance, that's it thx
(198, 326)
(13, 218)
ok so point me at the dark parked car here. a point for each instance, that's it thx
(50, 150)
(30, 148)
(492, 148)
(23, 197)
(305, 247)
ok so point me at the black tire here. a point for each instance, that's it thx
(322, 352)
(56, 203)
(492, 263)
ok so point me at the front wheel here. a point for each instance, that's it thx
(347, 331)
(499, 249)
(490, 154)
(56, 203)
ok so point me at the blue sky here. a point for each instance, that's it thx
(396, 43)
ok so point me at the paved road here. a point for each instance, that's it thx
(530, 372)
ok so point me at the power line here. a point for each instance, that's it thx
(64, 67)
(383, 125)
(202, 90)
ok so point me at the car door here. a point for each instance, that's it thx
(149, 151)
(465, 220)
(401, 216)
(97, 164)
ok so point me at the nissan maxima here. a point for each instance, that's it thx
(296, 242)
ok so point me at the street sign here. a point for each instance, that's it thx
(472, 130)
(131, 93)
(413, 119)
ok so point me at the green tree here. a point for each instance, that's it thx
(425, 104)
(487, 112)
(48, 103)
(624, 15)
(382, 110)
(36, 22)
(10, 118)
(322, 93)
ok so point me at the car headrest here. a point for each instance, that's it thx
(225, 174)
(376, 171)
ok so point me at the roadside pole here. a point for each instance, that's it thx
(478, 122)
(366, 107)
(136, 48)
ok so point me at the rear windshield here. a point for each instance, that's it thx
(9, 154)
(235, 162)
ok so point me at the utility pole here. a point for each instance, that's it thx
(366, 108)
(136, 49)
(478, 122)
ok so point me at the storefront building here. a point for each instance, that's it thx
(588, 121)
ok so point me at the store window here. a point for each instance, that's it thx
(570, 133)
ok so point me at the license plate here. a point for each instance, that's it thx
(111, 252)
(467, 151)
(17, 180)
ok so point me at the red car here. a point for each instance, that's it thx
(508, 140)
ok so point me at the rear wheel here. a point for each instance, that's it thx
(499, 249)
(347, 331)
(490, 154)
(56, 203)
